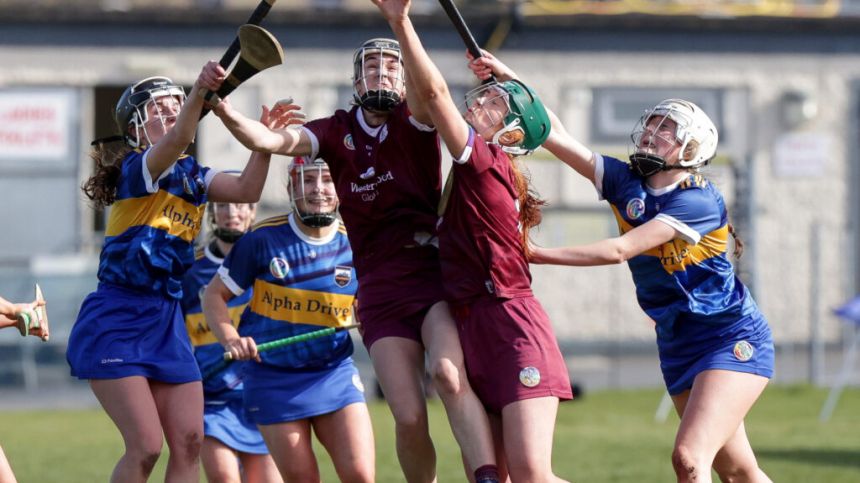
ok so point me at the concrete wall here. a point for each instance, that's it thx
(795, 284)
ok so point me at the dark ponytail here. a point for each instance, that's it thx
(101, 186)
(739, 244)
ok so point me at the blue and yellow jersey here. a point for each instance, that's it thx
(690, 276)
(207, 350)
(300, 284)
(152, 223)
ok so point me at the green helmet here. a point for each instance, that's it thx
(526, 113)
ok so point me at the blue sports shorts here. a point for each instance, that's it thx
(276, 395)
(744, 346)
(227, 421)
(122, 332)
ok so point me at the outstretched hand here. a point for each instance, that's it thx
(283, 114)
(488, 65)
(393, 10)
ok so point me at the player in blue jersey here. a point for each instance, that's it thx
(129, 339)
(716, 350)
(301, 271)
(233, 448)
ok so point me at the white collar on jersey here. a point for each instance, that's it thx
(370, 130)
(211, 256)
(309, 239)
(662, 191)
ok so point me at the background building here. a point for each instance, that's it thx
(780, 79)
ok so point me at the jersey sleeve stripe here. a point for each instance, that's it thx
(689, 235)
(234, 287)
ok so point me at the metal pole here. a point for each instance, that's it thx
(816, 352)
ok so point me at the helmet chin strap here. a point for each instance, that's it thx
(646, 165)
(227, 235)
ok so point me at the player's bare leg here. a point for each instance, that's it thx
(528, 427)
(180, 407)
(399, 366)
(220, 464)
(736, 462)
(347, 435)
(291, 447)
(6, 475)
(466, 413)
(711, 414)
(129, 403)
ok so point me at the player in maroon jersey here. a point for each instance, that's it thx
(511, 353)
(385, 161)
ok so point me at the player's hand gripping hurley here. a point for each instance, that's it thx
(257, 49)
(275, 344)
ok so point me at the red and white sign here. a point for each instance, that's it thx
(34, 125)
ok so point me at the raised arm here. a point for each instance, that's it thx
(610, 251)
(175, 141)
(570, 151)
(257, 136)
(428, 88)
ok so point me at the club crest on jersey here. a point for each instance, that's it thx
(368, 174)
(342, 275)
(743, 351)
(347, 141)
(530, 376)
(635, 208)
(279, 267)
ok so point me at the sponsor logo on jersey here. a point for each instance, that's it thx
(368, 174)
(279, 267)
(743, 351)
(342, 275)
(530, 376)
(347, 141)
(635, 208)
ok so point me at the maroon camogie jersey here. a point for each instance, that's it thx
(479, 234)
(388, 179)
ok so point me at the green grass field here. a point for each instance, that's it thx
(604, 437)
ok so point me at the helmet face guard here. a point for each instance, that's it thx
(132, 107)
(693, 131)
(230, 235)
(516, 107)
(371, 69)
(302, 194)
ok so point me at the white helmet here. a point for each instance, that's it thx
(296, 188)
(694, 131)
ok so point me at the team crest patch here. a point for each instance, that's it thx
(342, 275)
(279, 267)
(347, 141)
(743, 351)
(635, 208)
(530, 376)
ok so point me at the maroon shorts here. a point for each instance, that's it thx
(394, 298)
(511, 352)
